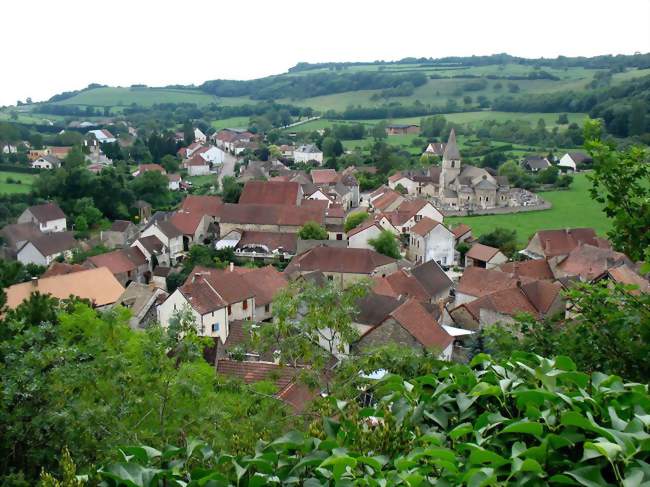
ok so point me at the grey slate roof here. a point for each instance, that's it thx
(451, 149)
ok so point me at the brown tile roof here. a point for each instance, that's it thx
(460, 230)
(120, 225)
(396, 177)
(477, 281)
(541, 294)
(374, 308)
(432, 278)
(119, 261)
(482, 252)
(143, 168)
(265, 283)
(187, 222)
(270, 193)
(589, 262)
(208, 205)
(168, 228)
(211, 289)
(97, 285)
(297, 395)
(272, 240)
(535, 269)
(424, 226)
(344, 260)
(509, 302)
(335, 211)
(270, 214)
(386, 199)
(625, 275)
(563, 241)
(196, 160)
(61, 268)
(419, 323)
(46, 212)
(400, 284)
(412, 206)
(20, 232)
(364, 225)
(324, 176)
(152, 244)
(251, 372)
(54, 243)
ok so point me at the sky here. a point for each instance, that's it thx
(50, 46)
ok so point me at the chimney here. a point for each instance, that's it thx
(232, 267)
(34, 281)
(518, 282)
(197, 276)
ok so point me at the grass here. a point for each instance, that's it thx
(572, 208)
(232, 123)
(27, 180)
(201, 180)
(102, 97)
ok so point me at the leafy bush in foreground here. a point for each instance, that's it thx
(527, 421)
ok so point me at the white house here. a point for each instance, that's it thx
(306, 153)
(170, 236)
(399, 179)
(409, 212)
(199, 136)
(46, 162)
(431, 240)
(570, 161)
(174, 182)
(360, 236)
(213, 155)
(197, 166)
(48, 216)
(45, 249)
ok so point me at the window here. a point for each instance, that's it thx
(330, 278)
(215, 328)
(339, 236)
(267, 308)
(229, 309)
(245, 304)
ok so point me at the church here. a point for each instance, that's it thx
(454, 184)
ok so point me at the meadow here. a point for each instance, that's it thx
(571, 208)
(230, 123)
(25, 186)
(118, 96)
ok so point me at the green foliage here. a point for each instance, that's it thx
(621, 183)
(79, 256)
(153, 187)
(354, 220)
(386, 243)
(13, 272)
(74, 377)
(312, 231)
(528, 421)
(550, 175)
(501, 238)
(610, 332)
(231, 189)
(170, 163)
(463, 248)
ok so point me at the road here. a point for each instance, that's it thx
(227, 168)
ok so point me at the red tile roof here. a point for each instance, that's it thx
(119, 261)
(625, 275)
(400, 284)
(187, 222)
(61, 268)
(424, 226)
(535, 269)
(563, 241)
(460, 230)
(251, 372)
(364, 225)
(386, 199)
(265, 283)
(270, 214)
(419, 323)
(477, 281)
(324, 176)
(208, 205)
(334, 259)
(196, 160)
(143, 168)
(270, 193)
(589, 262)
(46, 212)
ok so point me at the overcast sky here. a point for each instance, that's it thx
(52, 46)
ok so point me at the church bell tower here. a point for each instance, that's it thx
(450, 163)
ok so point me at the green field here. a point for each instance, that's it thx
(110, 97)
(572, 208)
(27, 180)
(230, 123)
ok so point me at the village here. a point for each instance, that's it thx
(432, 286)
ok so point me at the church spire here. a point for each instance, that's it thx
(451, 149)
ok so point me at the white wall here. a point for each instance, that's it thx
(567, 162)
(360, 240)
(174, 245)
(439, 246)
(177, 302)
(308, 156)
(198, 170)
(30, 255)
(409, 184)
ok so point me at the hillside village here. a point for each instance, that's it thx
(431, 288)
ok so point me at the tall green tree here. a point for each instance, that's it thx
(312, 231)
(386, 243)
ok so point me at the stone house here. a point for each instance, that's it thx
(484, 256)
(360, 236)
(120, 234)
(431, 240)
(15, 235)
(546, 244)
(426, 282)
(271, 193)
(48, 217)
(267, 218)
(170, 236)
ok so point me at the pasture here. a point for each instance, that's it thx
(25, 185)
(571, 208)
(119, 97)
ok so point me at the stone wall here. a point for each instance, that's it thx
(499, 211)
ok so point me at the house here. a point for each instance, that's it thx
(387, 201)
(169, 235)
(59, 152)
(435, 149)
(409, 212)
(403, 180)
(228, 139)
(402, 129)
(409, 325)
(546, 244)
(15, 235)
(44, 249)
(484, 256)
(34, 154)
(120, 234)
(342, 265)
(341, 188)
(46, 162)
(143, 168)
(308, 153)
(589, 262)
(534, 269)
(267, 218)
(426, 282)
(48, 216)
(536, 298)
(266, 246)
(271, 193)
(189, 151)
(477, 282)
(127, 265)
(571, 160)
(197, 165)
(535, 163)
(61, 268)
(154, 251)
(462, 233)
(142, 300)
(199, 136)
(98, 286)
(266, 283)
(102, 136)
(626, 275)
(360, 236)
(212, 154)
(175, 181)
(431, 240)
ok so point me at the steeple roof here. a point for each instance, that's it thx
(451, 150)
